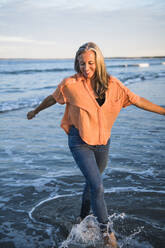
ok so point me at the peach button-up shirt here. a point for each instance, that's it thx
(94, 122)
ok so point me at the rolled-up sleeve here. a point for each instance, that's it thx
(59, 95)
(128, 96)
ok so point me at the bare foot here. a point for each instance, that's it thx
(110, 240)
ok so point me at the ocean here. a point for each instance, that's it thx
(40, 184)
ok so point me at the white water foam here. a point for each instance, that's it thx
(144, 65)
(85, 233)
(88, 232)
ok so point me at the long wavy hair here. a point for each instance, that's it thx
(101, 78)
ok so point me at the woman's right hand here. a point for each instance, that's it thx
(31, 115)
(47, 102)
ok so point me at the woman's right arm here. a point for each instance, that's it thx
(46, 103)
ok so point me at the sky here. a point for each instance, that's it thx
(57, 28)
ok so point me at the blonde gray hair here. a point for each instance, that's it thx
(100, 81)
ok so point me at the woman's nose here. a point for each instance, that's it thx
(86, 67)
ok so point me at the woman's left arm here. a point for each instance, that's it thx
(149, 106)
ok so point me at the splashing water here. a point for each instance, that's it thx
(85, 233)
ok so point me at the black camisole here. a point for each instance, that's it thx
(101, 100)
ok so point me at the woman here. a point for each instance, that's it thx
(93, 100)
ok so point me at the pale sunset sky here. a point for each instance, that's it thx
(56, 28)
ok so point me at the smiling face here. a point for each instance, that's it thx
(87, 64)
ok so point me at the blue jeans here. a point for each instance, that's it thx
(92, 160)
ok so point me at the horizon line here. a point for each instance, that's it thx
(108, 57)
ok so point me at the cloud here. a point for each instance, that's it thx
(17, 39)
(118, 26)
(81, 5)
(89, 5)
